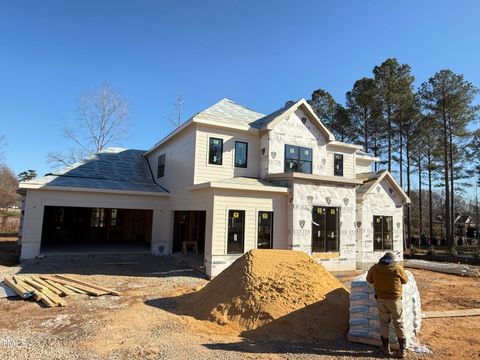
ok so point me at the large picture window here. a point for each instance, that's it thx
(325, 229)
(382, 233)
(338, 165)
(236, 231)
(215, 151)
(298, 159)
(241, 154)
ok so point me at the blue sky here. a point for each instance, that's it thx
(257, 53)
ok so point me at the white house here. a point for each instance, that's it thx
(228, 180)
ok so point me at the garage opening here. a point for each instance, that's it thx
(81, 228)
(189, 232)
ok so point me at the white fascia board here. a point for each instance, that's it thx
(224, 125)
(243, 187)
(320, 178)
(343, 145)
(367, 158)
(92, 190)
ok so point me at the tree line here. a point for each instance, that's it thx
(428, 131)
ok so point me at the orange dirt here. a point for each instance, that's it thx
(274, 294)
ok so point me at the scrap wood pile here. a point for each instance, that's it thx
(50, 290)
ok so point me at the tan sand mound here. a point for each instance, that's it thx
(273, 294)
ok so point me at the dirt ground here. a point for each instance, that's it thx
(142, 323)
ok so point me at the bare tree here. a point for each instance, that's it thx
(8, 187)
(102, 120)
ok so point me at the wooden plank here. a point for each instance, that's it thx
(19, 290)
(101, 288)
(451, 313)
(75, 290)
(48, 286)
(88, 290)
(37, 294)
(60, 287)
(57, 300)
(369, 341)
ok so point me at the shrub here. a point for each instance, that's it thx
(431, 250)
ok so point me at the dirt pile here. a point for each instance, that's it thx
(272, 294)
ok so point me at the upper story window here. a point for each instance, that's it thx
(241, 154)
(215, 151)
(161, 166)
(338, 165)
(298, 159)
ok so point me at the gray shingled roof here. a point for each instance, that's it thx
(111, 169)
(228, 112)
(262, 122)
(368, 180)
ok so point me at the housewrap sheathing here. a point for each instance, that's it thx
(381, 200)
(301, 201)
(296, 129)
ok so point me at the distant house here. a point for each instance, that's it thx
(228, 180)
(462, 223)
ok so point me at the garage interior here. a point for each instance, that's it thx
(83, 229)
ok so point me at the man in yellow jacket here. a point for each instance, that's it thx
(387, 278)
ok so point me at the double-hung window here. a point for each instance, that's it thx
(161, 166)
(241, 154)
(298, 159)
(215, 151)
(382, 233)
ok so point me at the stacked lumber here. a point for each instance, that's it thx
(50, 290)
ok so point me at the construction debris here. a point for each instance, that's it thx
(50, 290)
(450, 313)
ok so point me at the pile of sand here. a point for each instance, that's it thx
(272, 294)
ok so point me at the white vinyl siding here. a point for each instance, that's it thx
(205, 172)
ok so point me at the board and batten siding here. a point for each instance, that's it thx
(205, 172)
(251, 202)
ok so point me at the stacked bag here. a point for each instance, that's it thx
(364, 322)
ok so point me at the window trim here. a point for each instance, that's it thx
(210, 138)
(383, 233)
(162, 166)
(299, 148)
(235, 154)
(334, 164)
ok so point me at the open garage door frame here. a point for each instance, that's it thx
(68, 227)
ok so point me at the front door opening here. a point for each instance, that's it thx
(265, 230)
(325, 229)
(236, 231)
(189, 230)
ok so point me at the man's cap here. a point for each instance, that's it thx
(390, 254)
